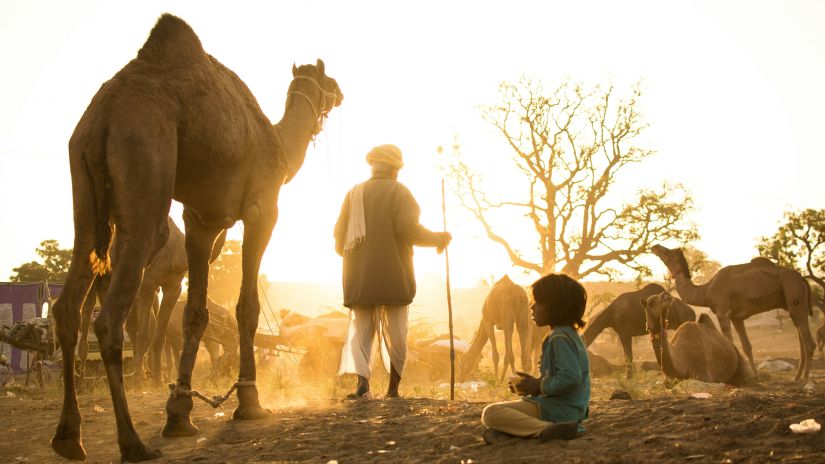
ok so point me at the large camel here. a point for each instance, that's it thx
(506, 306)
(696, 351)
(174, 123)
(146, 328)
(739, 291)
(627, 317)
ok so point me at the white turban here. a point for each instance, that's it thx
(386, 154)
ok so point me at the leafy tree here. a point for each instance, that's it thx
(702, 268)
(54, 268)
(570, 145)
(799, 244)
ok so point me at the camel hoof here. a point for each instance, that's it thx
(138, 453)
(251, 413)
(69, 448)
(179, 426)
(178, 423)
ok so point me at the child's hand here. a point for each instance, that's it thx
(525, 384)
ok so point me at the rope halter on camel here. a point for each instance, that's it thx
(326, 107)
(216, 401)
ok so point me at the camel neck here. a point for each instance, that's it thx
(689, 292)
(295, 131)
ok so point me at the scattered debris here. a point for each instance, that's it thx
(200, 440)
(620, 395)
(10, 394)
(219, 414)
(701, 395)
(809, 387)
(98, 408)
(806, 426)
(775, 365)
(454, 448)
(473, 385)
(390, 443)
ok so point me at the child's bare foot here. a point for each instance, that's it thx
(492, 436)
(562, 430)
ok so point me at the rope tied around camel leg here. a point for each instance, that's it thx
(216, 401)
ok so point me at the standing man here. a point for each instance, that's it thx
(375, 234)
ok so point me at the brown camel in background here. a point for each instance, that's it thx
(738, 292)
(174, 123)
(505, 307)
(695, 351)
(146, 327)
(220, 332)
(627, 317)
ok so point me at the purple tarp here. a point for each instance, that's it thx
(20, 302)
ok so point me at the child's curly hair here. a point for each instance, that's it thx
(564, 297)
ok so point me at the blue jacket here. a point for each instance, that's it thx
(565, 378)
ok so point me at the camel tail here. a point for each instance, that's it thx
(95, 206)
(596, 325)
(99, 258)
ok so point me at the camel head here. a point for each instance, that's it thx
(656, 308)
(674, 260)
(322, 91)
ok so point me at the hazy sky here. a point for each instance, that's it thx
(733, 93)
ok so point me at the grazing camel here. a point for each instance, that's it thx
(695, 351)
(505, 306)
(627, 317)
(146, 328)
(738, 292)
(175, 123)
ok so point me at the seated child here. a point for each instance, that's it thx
(554, 405)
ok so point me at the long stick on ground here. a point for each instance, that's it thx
(449, 298)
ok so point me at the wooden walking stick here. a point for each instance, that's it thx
(449, 297)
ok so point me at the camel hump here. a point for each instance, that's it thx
(171, 42)
(762, 260)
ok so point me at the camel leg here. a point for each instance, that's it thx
(199, 240)
(85, 324)
(509, 356)
(213, 348)
(171, 293)
(256, 237)
(135, 243)
(524, 340)
(806, 345)
(739, 325)
(627, 348)
(66, 311)
(142, 310)
(490, 328)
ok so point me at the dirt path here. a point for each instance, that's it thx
(740, 425)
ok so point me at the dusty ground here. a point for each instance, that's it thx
(662, 423)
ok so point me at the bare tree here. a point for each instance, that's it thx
(570, 145)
